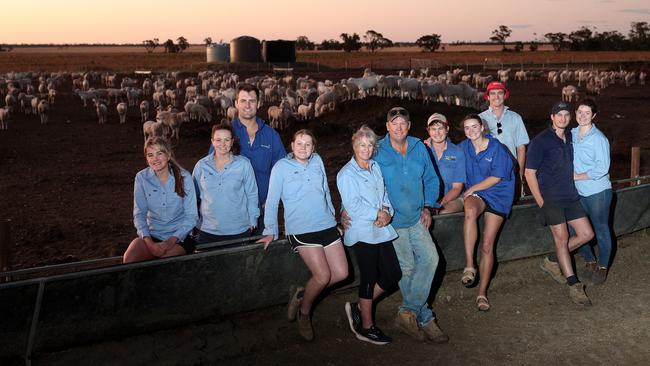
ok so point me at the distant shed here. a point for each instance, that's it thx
(279, 51)
(245, 49)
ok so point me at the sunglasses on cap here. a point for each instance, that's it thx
(398, 112)
(499, 130)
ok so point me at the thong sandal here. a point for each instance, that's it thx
(469, 275)
(482, 303)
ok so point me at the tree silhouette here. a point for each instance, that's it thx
(557, 40)
(207, 41)
(430, 42)
(303, 43)
(170, 47)
(350, 42)
(151, 44)
(183, 44)
(500, 35)
(375, 40)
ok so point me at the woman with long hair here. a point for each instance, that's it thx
(164, 206)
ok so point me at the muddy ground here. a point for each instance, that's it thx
(532, 322)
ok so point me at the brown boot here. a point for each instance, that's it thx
(434, 333)
(599, 275)
(578, 295)
(407, 323)
(304, 326)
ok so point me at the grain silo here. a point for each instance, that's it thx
(279, 51)
(245, 49)
(218, 52)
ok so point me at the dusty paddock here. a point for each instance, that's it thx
(532, 322)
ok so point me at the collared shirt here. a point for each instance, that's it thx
(591, 156)
(494, 161)
(450, 166)
(263, 153)
(363, 194)
(553, 160)
(411, 180)
(158, 211)
(228, 198)
(513, 132)
(305, 197)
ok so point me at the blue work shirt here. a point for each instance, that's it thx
(513, 131)
(363, 195)
(411, 180)
(228, 201)
(591, 156)
(263, 153)
(305, 197)
(450, 166)
(494, 161)
(553, 160)
(158, 211)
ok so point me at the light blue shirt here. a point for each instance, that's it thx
(363, 194)
(591, 156)
(305, 197)
(451, 166)
(411, 180)
(228, 198)
(158, 211)
(513, 132)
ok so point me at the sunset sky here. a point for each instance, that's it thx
(131, 21)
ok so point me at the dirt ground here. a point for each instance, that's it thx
(532, 322)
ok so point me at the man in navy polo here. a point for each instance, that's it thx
(258, 141)
(449, 160)
(549, 173)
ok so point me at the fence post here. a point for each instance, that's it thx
(635, 165)
(5, 247)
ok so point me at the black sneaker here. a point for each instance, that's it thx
(354, 317)
(373, 335)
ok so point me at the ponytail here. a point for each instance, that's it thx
(174, 168)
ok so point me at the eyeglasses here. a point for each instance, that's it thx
(398, 112)
(499, 130)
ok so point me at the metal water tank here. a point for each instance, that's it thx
(279, 51)
(245, 49)
(218, 52)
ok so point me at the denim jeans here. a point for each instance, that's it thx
(597, 207)
(418, 260)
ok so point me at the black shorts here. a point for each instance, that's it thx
(189, 244)
(489, 208)
(321, 238)
(556, 213)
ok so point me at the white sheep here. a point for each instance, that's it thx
(231, 113)
(4, 118)
(102, 112)
(201, 113)
(306, 112)
(121, 111)
(51, 96)
(144, 111)
(44, 111)
(569, 93)
(155, 129)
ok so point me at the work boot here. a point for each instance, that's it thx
(294, 303)
(434, 333)
(577, 294)
(407, 323)
(588, 272)
(599, 275)
(304, 326)
(553, 269)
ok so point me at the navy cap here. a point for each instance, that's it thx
(560, 106)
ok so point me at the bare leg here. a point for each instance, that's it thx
(474, 206)
(365, 305)
(561, 239)
(137, 252)
(174, 251)
(337, 262)
(492, 224)
(317, 260)
(583, 230)
(451, 207)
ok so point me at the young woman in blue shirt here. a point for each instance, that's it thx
(299, 180)
(490, 192)
(164, 206)
(226, 190)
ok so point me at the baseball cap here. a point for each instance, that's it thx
(439, 118)
(560, 106)
(496, 85)
(397, 112)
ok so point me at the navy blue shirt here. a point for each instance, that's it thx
(263, 153)
(553, 160)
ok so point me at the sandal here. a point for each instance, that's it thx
(482, 303)
(469, 275)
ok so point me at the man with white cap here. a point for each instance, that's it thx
(449, 160)
(504, 124)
